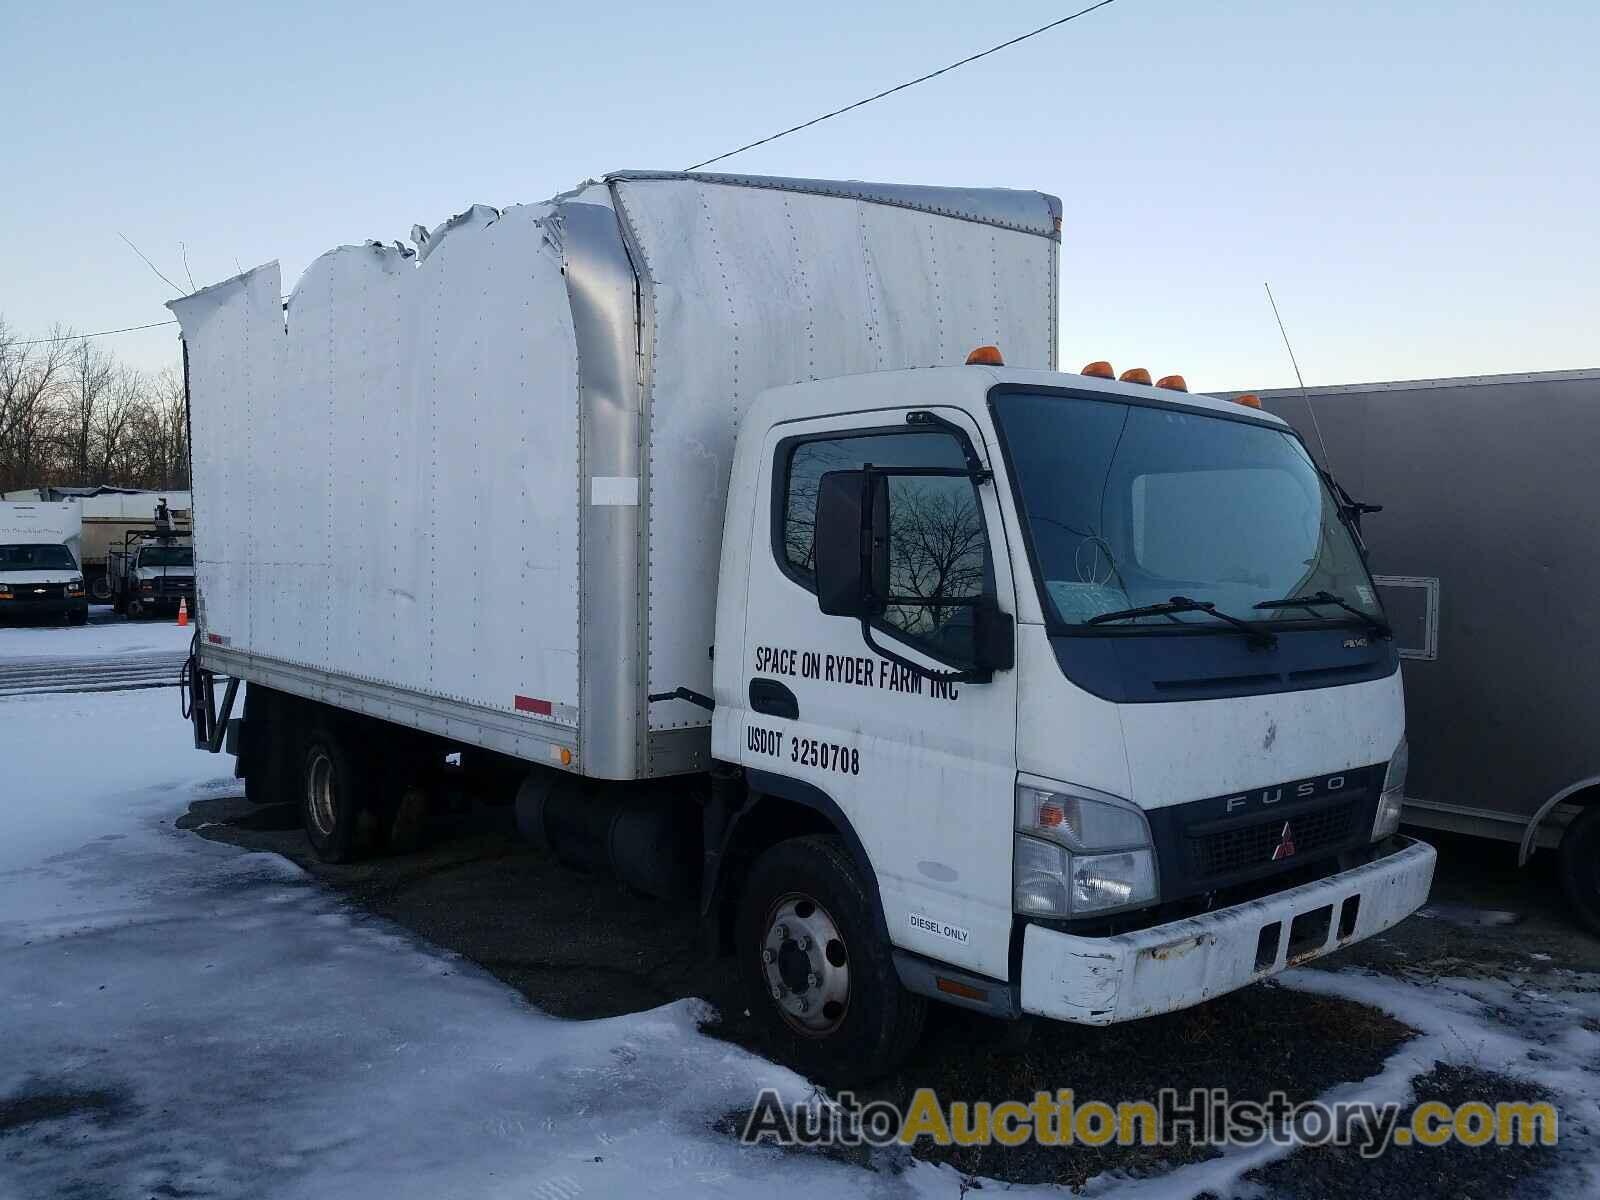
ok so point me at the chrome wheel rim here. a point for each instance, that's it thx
(320, 794)
(806, 965)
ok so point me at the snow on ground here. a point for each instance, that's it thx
(248, 1034)
(229, 1028)
(94, 640)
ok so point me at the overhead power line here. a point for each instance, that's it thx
(900, 87)
(827, 116)
(73, 337)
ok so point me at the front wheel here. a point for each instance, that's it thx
(1579, 866)
(818, 972)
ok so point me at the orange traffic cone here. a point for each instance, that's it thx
(183, 611)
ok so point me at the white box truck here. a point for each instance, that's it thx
(40, 575)
(931, 680)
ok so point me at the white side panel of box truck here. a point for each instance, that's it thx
(754, 287)
(407, 513)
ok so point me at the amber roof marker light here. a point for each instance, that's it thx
(986, 356)
(1135, 375)
(1098, 369)
(1249, 400)
(1173, 383)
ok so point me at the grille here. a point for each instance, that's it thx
(39, 591)
(1232, 850)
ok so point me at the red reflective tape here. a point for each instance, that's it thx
(528, 704)
(214, 638)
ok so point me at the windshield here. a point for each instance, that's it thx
(166, 556)
(36, 558)
(1129, 505)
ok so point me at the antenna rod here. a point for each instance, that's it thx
(1304, 395)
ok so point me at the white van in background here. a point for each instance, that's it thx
(40, 573)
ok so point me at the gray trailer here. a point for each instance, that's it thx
(1484, 556)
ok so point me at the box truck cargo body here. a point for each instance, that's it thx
(687, 512)
(1484, 555)
(40, 576)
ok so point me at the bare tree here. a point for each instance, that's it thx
(112, 426)
(71, 414)
(160, 433)
(31, 377)
(91, 375)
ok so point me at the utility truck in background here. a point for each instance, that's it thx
(1489, 587)
(153, 570)
(40, 576)
(680, 501)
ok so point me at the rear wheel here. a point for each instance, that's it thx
(100, 590)
(329, 804)
(1579, 867)
(818, 972)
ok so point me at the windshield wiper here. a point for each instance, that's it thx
(1183, 604)
(1378, 628)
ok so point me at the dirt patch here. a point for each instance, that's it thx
(1450, 1172)
(40, 1099)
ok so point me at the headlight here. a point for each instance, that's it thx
(1079, 852)
(1393, 795)
(74, 587)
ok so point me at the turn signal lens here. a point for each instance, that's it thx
(986, 356)
(1135, 375)
(1249, 400)
(1173, 383)
(1099, 370)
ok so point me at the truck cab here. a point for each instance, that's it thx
(1091, 673)
(152, 573)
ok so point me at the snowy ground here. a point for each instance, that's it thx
(107, 654)
(106, 635)
(184, 1018)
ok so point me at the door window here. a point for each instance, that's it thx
(938, 550)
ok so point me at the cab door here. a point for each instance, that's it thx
(923, 771)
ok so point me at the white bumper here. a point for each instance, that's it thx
(1097, 981)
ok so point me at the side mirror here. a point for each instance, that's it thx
(995, 639)
(852, 544)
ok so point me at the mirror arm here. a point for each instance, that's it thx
(917, 668)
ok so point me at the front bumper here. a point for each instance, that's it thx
(1098, 981)
(54, 606)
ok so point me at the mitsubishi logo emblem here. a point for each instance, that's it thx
(1285, 844)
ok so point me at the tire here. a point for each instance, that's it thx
(272, 744)
(78, 616)
(1579, 866)
(330, 789)
(843, 1018)
(100, 590)
(134, 608)
(405, 820)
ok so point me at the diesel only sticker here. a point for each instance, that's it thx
(939, 928)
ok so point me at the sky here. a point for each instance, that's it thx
(1417, 181)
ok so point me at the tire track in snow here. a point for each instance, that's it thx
(110, 673)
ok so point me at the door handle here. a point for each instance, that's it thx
(772, 698)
